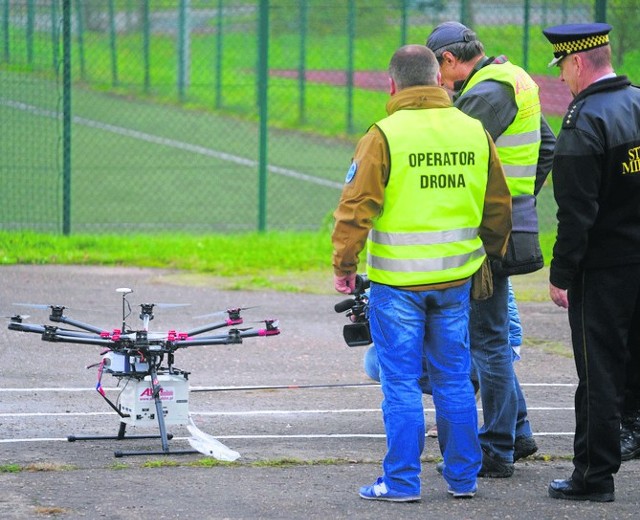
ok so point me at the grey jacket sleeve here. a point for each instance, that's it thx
(545, 155)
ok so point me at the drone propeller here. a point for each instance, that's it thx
(170, 305)
(269, 322)
(50, 307)
(16, 317)
(232, 310)
(39, 306)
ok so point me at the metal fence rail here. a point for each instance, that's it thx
(198, 116)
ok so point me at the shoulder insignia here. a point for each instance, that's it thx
(570, 118)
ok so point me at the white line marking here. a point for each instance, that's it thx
(248, 388)
(241, 413)
(273, 436)
(172, 143)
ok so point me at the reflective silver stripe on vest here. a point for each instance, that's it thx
(417, 265)
(512, 170)
(518, 139)
(426, 238)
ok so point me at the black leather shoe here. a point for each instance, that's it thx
(630, 437)
(567, 490)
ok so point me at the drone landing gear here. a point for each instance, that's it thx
(119, 437)
(164, 436)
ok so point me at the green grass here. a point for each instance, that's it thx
(274, 261)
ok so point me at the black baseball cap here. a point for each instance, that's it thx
(447, 33)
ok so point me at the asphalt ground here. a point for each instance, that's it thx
(307, 442)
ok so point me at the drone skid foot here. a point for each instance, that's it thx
(119, 454)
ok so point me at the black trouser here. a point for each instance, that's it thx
(602, 306)
(631, 405)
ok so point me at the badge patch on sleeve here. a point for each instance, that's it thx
(351, 173)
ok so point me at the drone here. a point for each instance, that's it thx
(153, 389)
(357, 333)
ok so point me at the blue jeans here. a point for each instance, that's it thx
(405, 327)
(493, 362)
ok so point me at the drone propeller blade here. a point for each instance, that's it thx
(170, 305)
(222, 313)
(40, 306)
(210, 315)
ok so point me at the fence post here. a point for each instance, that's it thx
(404, 17)
(302, 65)
(525, 37)
(351, 36)
(146, 45)
(55, 37)
(219, 40)
(112, 44)
(263, 80)
(601, 11)
(183, 49)
(5, 30)
(80, 29)
(66, 117)
(30, 29)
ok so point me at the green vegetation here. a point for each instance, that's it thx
(10, 468)
(275, 261)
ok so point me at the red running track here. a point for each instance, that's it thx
(554, 95)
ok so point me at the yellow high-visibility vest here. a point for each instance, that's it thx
(519, 145)
(427, 231)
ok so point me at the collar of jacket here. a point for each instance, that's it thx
(482, 62)
(418, 97)
(599, 86)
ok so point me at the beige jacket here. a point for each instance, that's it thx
(362, 198)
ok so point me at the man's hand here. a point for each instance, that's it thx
(559, 296)
(344, 284)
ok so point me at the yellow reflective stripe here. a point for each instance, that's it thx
(516, 171)
(532, 137)
(416, 265)
(422, 238)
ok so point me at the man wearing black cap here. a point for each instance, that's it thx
(505, 98)
(595, 270)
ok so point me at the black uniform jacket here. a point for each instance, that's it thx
(596, 181)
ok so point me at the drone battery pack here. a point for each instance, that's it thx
(118, 363)
(137, 401)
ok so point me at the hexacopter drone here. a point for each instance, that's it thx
(153, 390)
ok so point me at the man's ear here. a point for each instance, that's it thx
(578, 62)
(448, 57)
(392, 87)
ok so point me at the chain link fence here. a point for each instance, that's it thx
(198, 116)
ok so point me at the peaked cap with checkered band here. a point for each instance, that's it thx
(576, 37)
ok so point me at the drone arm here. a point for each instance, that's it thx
(84, 326)
(213, 326)
(260, 332)
(26, 327)
(60, 336)
(211, 340)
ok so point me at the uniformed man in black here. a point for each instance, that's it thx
(595, 270)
